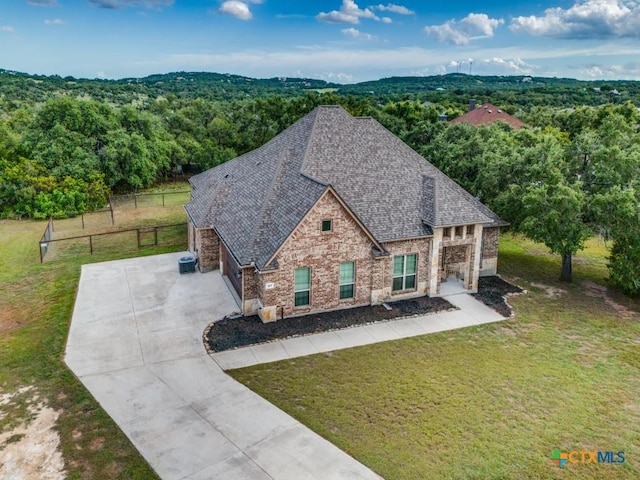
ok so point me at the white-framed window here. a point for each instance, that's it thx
(404, 272)
(302, 287)
(347, 279)
(327, 225)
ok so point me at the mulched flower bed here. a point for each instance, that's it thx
(492, 292)
(231, 333)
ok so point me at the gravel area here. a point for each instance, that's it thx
(231, 333)
(492, 291)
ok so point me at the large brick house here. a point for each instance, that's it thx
(337, 212)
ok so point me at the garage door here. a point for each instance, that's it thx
(233, 272)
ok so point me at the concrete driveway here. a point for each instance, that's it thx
(135, 342)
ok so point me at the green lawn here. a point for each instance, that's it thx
(35, 309)
(485, 402)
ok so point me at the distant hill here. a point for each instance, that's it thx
(456, 88)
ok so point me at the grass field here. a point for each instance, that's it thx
(35, 309)
(487, 402)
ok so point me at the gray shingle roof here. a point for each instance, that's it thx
(256, 200)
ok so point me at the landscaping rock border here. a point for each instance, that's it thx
(493, 292)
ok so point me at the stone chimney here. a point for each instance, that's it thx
(472, 104)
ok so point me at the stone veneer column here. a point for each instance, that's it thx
(433, 277)
(475, 258)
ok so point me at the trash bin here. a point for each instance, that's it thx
(187, 264)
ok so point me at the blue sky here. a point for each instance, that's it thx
(336, 40)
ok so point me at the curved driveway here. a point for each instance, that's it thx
(135, 342)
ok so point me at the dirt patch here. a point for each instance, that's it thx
(593, 289)
(96, 444)
(231, 333)
(29, 450)
(493, 291)
(8, 319)
(549, 291)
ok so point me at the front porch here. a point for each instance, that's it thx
(452, 285)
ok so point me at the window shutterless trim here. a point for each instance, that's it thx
(404, 280)
(301, 289)
(347, 285)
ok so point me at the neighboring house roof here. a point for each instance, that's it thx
(486, 114)
(256, 200)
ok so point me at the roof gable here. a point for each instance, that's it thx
(330, 194)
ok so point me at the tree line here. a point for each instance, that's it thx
(573, 174)
(570, 174)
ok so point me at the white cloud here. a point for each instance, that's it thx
(237, 9)
(510, 66)
(43, 3)
(349, 13)
(372, 63)
(399, 9)
(386, 20)
(116, 4)
(355, 33)
(338, 77)
(474, 26)
(615, 71)
(54, 21)
(586, 19)
(7, 29)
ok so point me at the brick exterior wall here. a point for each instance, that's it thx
(250, 287)
(251, 280)
(455, 254)
(490, 239)
(323, 252)
(207, 249)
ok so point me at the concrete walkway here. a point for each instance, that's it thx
(135, 342)
(472, 312)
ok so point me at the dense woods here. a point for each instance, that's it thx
(66, 144)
